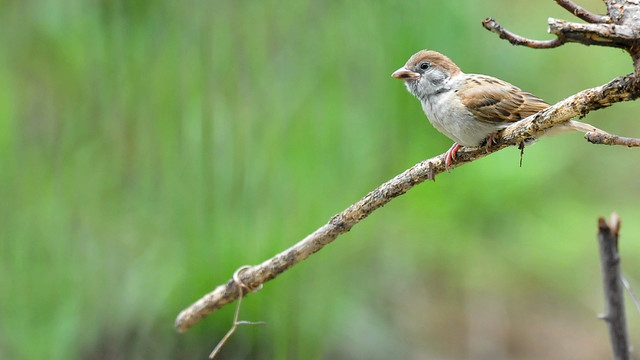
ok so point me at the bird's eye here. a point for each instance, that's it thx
(425, 65)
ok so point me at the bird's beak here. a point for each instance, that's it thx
(405, 74)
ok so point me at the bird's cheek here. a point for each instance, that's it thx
(437, 79)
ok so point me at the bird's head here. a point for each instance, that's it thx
(426, 73)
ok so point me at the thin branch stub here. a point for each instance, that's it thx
(610, 139)
(614, 314)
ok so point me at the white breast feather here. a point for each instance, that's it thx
(447, 114)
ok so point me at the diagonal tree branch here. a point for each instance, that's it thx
(623, 88)
(618, 29)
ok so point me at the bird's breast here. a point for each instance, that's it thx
(448, 115)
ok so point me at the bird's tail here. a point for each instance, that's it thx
(572, 125)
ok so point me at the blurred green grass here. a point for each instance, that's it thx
(149, 149)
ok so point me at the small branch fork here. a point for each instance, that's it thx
(624, 88)
(618, 29)
(613, 286)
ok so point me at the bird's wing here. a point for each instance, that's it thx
(495, 101)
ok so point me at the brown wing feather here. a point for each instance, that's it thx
(494, 101)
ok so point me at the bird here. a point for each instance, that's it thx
(470, 109)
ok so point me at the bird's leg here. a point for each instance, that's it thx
(451, 154)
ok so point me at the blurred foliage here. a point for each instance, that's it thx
(150, 148)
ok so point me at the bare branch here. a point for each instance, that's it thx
(610, 139)
(582, 13)
(613, 293)
(493, 26)
(620, 89)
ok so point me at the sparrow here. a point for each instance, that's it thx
(470, 109)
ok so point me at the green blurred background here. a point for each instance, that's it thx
(150, 148)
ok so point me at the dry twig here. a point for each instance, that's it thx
(236, 322)
(493, 26)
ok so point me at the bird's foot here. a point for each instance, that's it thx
(450, 155)
(491, 140)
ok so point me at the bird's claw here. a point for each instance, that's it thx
(450, 155)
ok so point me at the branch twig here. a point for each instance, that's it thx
(614, 299)
(620, 89)
(493, 26)
(582, 13)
